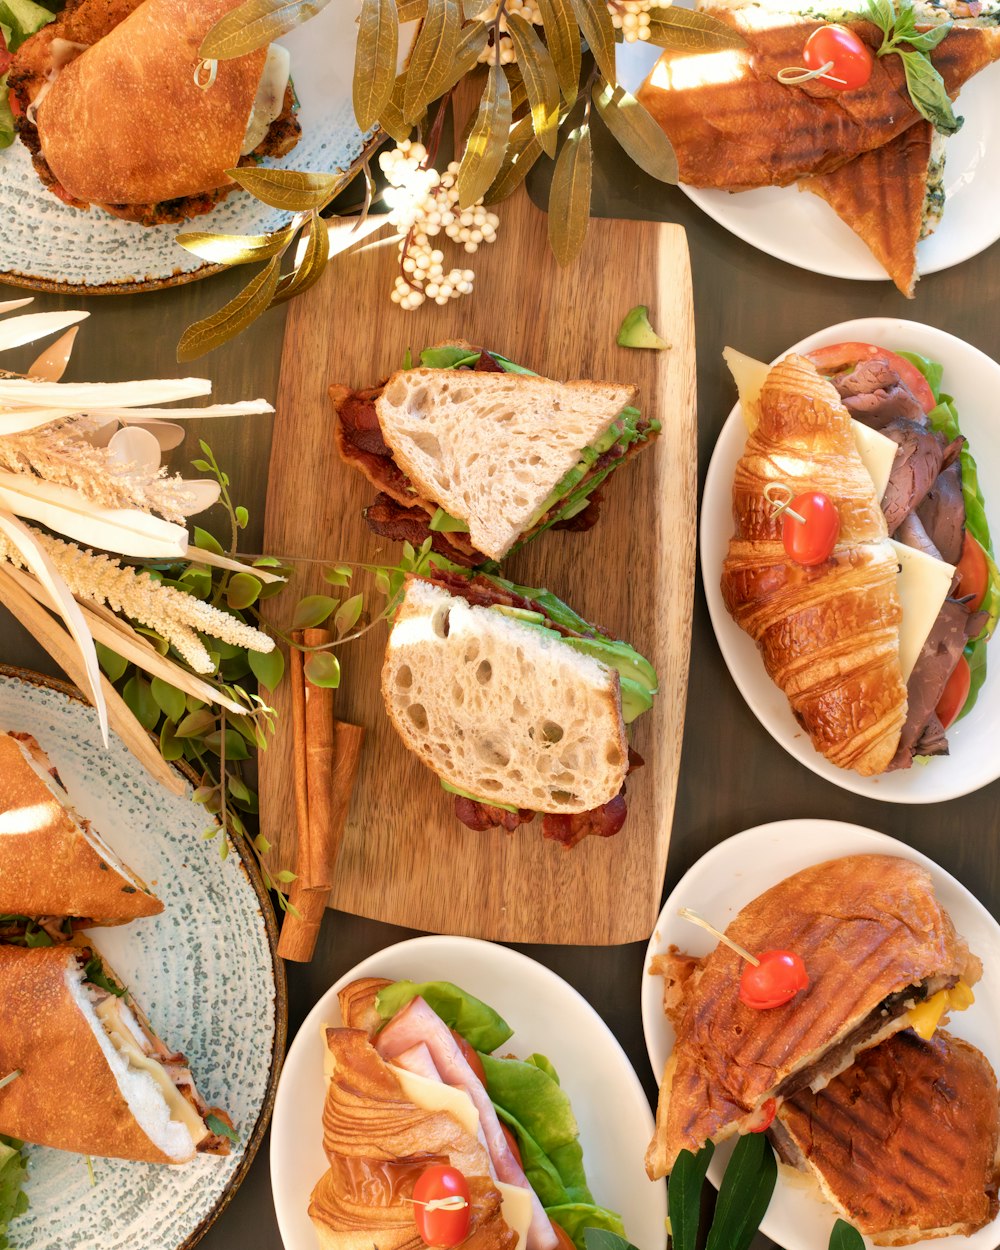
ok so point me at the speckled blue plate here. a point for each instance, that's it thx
(206, 972)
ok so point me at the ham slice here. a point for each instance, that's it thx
(417, 1024)
(418, 1061)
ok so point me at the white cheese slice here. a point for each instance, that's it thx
(877, 454)
(923, 585)
(270, 97)
(436, 1096)
(515, 1208)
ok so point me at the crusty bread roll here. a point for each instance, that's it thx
(501, 710)
(465, 439)
(828, 634)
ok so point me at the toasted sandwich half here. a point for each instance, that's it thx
(876, 944)
(891, 198)
(93, 1076)
(56, 872)
(904, 1143)
(482, 455)
(516, 702)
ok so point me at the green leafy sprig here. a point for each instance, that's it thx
(13, 1174)
(901, 38)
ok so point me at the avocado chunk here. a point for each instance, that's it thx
(635, 700)
(464, 794)
(635, 331)
(444, 523)
(521, 614)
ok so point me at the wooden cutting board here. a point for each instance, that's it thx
(405, 859)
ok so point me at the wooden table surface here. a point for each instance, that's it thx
(733, 775)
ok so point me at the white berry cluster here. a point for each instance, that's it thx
(423, 203)
(631, 17)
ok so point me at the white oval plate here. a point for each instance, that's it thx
(800, 228)
(547, 1015)
(205, 971)
(45, 243)
(974, 380)
(734, 873)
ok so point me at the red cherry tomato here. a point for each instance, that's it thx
(840, 356)
(439, 1227)
(852, 61)
(515, 1149)
(470, 1056)
(15, 103)
(811, 540)
(764, 1117)
(955, 693)
(774, 981)
(563, 1240)
(973, 573)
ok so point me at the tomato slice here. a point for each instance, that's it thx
(470, 1056)
(515, 1149)
(765, 1117)
(840, 356)
(955, 693)
(973, 573)
(565, 1241)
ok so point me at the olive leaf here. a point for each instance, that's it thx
(599, 32)
(562, 34)
(684, 30)
(745, 1194)
(291, 189)
(375, 60)
(237, 249)
(229, 321)
(313, 263)
(569, 196)
(541, 84)
(473, 40)
(684, 1196)
(484, 150)
(472, 8)
(636, 131)
(412, 10)
(255, 24)
(523, 149)
(846, 1237)
(391, 119)
(433, 54)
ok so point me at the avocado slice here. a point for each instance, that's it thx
(464, 794)
(444, 523)
(635, 331)
(524, 615)
(635, 700)
(630, 664)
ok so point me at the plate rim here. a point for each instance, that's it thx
(30, 677)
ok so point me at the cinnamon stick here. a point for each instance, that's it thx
(326, 755)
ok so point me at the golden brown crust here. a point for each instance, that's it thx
(734, 126)
(829, 633)
(881, 196)
(180, 147)
(866, 927)
(905, 1141)
(47, 865)
(357, 1004)
(66, 1095)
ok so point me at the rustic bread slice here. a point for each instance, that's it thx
(490, 447)
(501, 710)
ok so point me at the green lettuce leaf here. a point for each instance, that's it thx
(13, 1174)
(480, 1025)
(23, 18)
(577, 1217)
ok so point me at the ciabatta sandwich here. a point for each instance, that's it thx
(56, 872)
(93, 1077)
(119, 110)
(480, 455)
(517, 703)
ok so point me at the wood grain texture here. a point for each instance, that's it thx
(405, 859)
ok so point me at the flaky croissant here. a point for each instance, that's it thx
(829, 633)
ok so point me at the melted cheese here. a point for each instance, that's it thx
(923, 585)
(436, 1096)
(925, 1017)
(270, 97)
(123, 1036)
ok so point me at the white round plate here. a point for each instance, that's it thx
(974, 380)
(800, 228)
(205, 971)
(45, 243)
(734, 873)
(547, 1015)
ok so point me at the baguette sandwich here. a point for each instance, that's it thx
(879, 950)
(56, 872)
(93, 1077)
(481, 455)
(119, 110)
(517, 703)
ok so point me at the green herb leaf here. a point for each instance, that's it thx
(242, 591)
(93, 971)
(312, 265)
(684, 1196)
(477, 1022)
(348, 614)
(113, 664)
(171, 701)
(140, 702)
(928, 40)
(686, 30)
(195, 724)
(882, 14)
(636, 131)
(487, 140)
(220, 1128)
(599, 32)
(846, 1237)
(562, 34)
(745, 1194)
(255, 24)
(312, 611)
(429, 70)
(569, 196)
(291, 189)
(929, 94)
(321, 668)
(540, 81)
(204, 336)
(375, 60)
(237, 249)
(340, 575)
